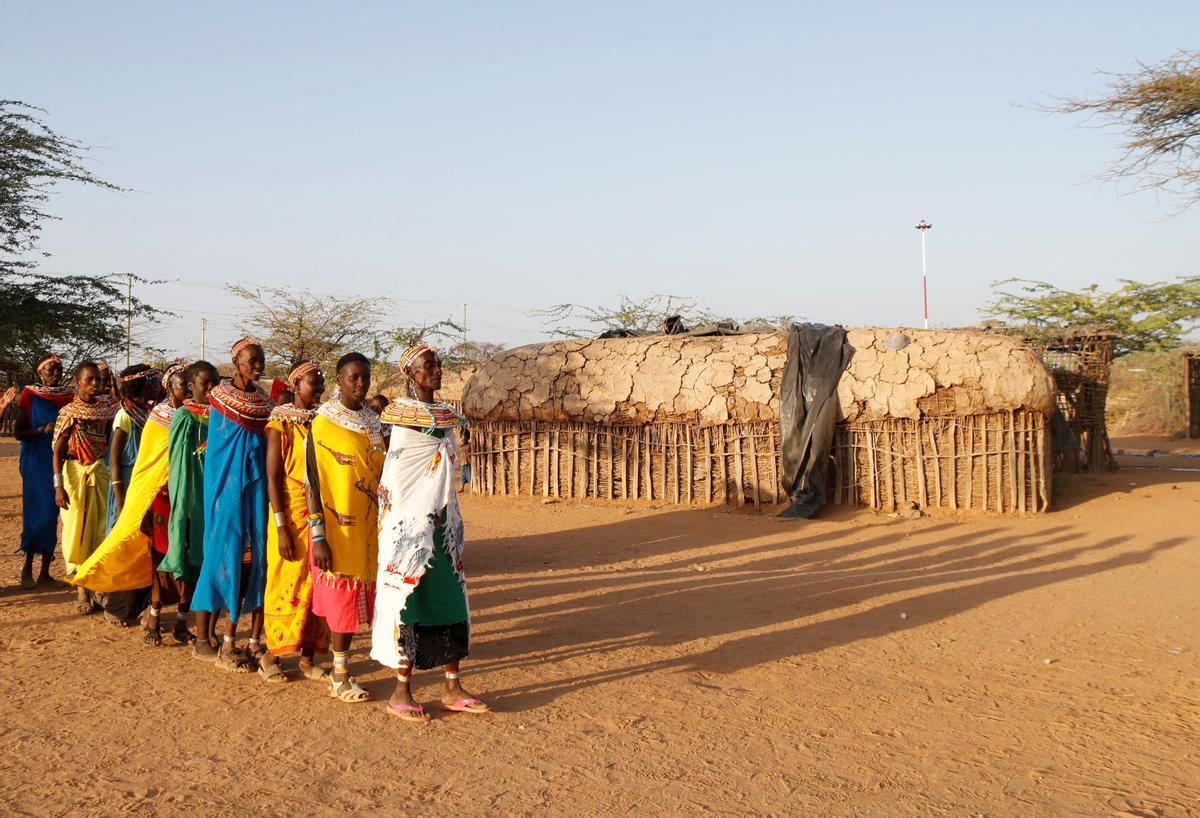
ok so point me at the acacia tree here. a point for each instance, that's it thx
(78, 315)
(300, 325)
(1145, 316)
(1157, 107)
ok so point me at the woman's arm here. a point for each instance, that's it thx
(322, 556)
(277, 494)
(115, 448)
(60, 455)
(22, 431)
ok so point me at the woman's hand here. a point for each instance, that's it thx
(287, 546)
(60, 498)
(322, 556)
(48, 429)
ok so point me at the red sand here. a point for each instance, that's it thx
(645, 661)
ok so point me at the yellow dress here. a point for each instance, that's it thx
(348, 468)
(122, 561)
(289, 623)
(88, 427)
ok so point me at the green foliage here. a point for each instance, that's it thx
(33, 159)
(76, 315)
(1150, 315)
(1158, 109)
(300, 325)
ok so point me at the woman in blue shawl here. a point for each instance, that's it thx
(37, 412)
(232, 577)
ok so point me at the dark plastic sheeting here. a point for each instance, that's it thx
(817, 357)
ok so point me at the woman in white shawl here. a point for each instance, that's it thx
(421, 614)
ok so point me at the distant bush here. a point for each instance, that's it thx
(1146, 395)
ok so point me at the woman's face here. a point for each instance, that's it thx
(354, 381)
(249, 364)
(309, 390)
(202, 384)
(88, 382)
(177, 389)
(426, 371)
(51, 374)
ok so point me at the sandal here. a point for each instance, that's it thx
(181, 634)
(409, 712)
(152, 636)
(272, 673)
(468, 705)
(85, 607)
(233, 661)
(203, 657)
(314, 672)
(347, 690)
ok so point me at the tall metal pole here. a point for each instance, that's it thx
(924, 226)
(129, 319)
(464, 329)
(203, 327)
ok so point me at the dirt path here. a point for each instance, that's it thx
(648, 661)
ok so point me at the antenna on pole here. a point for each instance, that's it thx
(128, 318)
(203, 328)
(924, 226)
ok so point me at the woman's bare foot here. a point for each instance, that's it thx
(454, 697)
(403, 705)
(84, 605)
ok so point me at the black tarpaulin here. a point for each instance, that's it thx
(817, 357)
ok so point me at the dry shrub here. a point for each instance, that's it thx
(1145, 395)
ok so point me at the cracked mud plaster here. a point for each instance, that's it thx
(734, 379)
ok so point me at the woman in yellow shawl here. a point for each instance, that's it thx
(289, 625)
(80, 444)
(122, 562)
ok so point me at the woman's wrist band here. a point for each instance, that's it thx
(318, 532)
(315, 520)
(58, 481)
(281, 519)
(117, 482)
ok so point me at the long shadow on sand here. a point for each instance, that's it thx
(732, 608)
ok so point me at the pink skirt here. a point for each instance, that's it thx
(346, 603)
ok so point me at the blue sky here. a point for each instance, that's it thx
(764, 157)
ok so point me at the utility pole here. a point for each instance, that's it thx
(924, 226)
(128, 318)
(203, 327)
(464, 329)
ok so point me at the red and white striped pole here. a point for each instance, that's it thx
(924, 226)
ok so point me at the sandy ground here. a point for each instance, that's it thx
(649, 661)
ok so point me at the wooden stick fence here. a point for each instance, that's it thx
(993, 462)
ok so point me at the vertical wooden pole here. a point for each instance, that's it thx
(546, 462)
(637, 466)
(922, 494)
(872, 468)
(738, 468)
(691, 488)
(754, 472)
(724, 452)
(936, 459)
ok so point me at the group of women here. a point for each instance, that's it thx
(309, 519)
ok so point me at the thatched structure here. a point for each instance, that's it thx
(956, 419)
(1080, 361)
(1191, 391)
